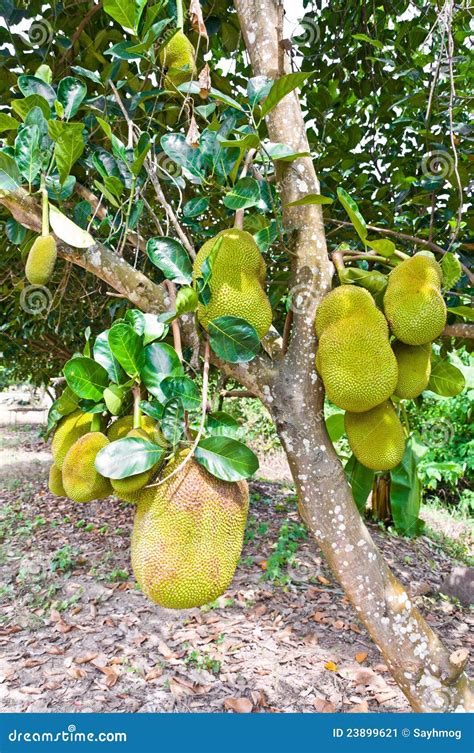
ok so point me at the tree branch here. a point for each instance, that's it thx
(459, 329)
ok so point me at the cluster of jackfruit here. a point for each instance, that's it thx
(177, 58)
(237, 281)
(361, 369)
(41, 260)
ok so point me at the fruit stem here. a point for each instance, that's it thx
(45, 207)
(137, 411)
(180, 14)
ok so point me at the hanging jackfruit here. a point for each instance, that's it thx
(187, 536)
(177, 58)
(356, 362)
(237, 280)
(68, 431)
(55, 481)
(120, 428)
(41, 260)
(376, 437)
(414, 369)
(340, 303)
(124, 486)
(81, 481)
(413, 303)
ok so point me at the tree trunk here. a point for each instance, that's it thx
(381, 498)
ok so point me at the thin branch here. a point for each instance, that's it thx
(239, 215)
(459, 329)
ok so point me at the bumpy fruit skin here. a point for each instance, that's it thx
(340, 303)
(376, 437)
(238, 276)
(356, 362)
(123, 486)
(41, 260)
(121, 427)
(187, 536)
(81, 481)
(178, 58)
(55, 481)
(414, 369)
(413, 303)
(68, 431)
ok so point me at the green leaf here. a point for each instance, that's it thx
(353, 211)
(184, 388)
(233, 339)
(10, 178)
(126, 12)
(283, 86)
(91, 75)
(153, 409)
(335, 426)
(372, 280)
(71, 93)
(161, 360)
(383, 247)
(194, 207)
(171, 257)
(140, 153)
(446, 380)
(282, 152)
(67, 402)
(179, 151)
(172, 422)
(310, 198)
(153, 328)
(265, 237)
(452, 270)
(192, 87)
(86, 378)
(221, 424)
(186, 300)
(113, 397)
(104, 356)
(226, 458)
(7, 123)
(29, 85)
(23, 106)
(68, 231)
(405, 494)
(360, 479)
(27, 152)
(203, 286)
(15, 232)
(127, 347)
(245, 194)
(369, 40)
(69, 146)
(466, 312)
(127, 457)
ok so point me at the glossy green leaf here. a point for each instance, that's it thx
(104, 356)
(140, 153)
(27, 152)
(383, 246)
(23, 106)
(126, 12)
(405, 494)
(335, 426)
(15, 232)
(368, 40)
(466, 312)
(184, 388)
(161, 360)
(171, 257)
(186, 300)
(226, 458)
(245, 194)
(127, 457)
(127, 347)
(86, 378)
(69, 145)
(7, 123)
(113, 398)
(222, 424)
(452, 270)
(360, 479)
(193, 88)
(371, 280)
(29, 85)
(10, 178)
(353, 211)
(233, 339)
(282, 152)
(446, 379)
(68, 231)
(172, 423)
(195, 207)
(71, 94)
(283, 86)
(154, 409)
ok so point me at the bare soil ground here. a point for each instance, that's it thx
(77, 635)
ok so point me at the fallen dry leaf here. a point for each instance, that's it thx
(153, 674)
(359, 708)
(28, 690)
(86, 658)
(361, 656)
(323, 706)
(324, 580)
(331, 666)
(77, 673)
(204, 82)
(238, 705)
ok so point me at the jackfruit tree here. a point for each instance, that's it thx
(191, 198)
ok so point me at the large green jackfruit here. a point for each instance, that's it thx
(376, 437)
(236, 285)
(81, 481)
(177, 58)
(124, 486)
(55, 481)
(68, 431)
(356, 362)
(187, 536)
(340, 303)
(414, 369)
(413, 303)
(41, 260)
(121, 427)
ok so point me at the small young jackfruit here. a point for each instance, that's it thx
(177, 58)
(68, 431)
(413, 303)
(120, 428)
(340, 303)
(187, 536)
(41, 260)
(376, 437)
(356, 362)
(55, 481)
(123, 486)
(82, 483)
(414, 369)
(237, 279)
